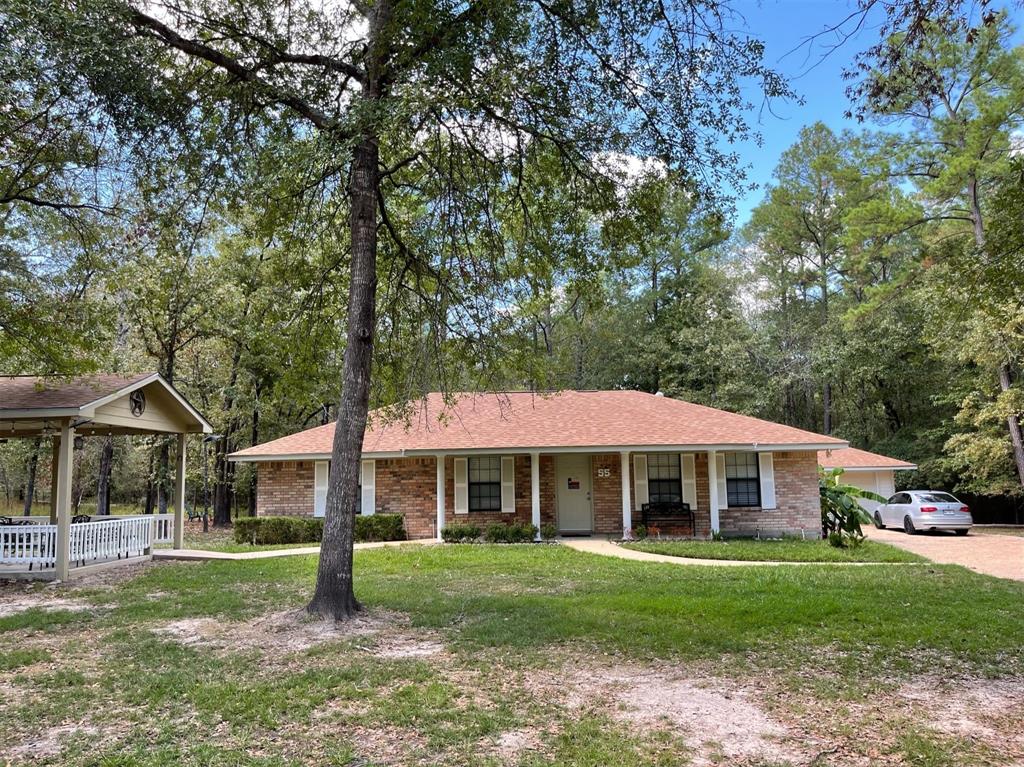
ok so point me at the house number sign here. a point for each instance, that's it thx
(604, 472)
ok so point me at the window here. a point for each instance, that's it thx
(485, 483)
(663, 478)
(742, 480)
(936, 498)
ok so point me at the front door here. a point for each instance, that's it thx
(572, 477)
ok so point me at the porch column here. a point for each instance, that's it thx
(53, 480)
(63, 467)
(713, 488)
(179, 495)
(627, 507)
(440, 494)
(535, 492)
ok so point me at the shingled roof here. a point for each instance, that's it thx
(562, 421)
(36, 393)
(854, 459)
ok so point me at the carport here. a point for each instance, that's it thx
(61, 409)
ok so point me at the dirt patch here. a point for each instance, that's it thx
(986, 710)
(41, 600)
(407, 646)
(286, 631)
(50, 743)
(714, 717)
(718, 719)
(511, 745)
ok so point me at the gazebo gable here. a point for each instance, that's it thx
(97, 405)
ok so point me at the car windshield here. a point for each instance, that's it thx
(936, 498)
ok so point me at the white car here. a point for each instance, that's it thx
(916, 510)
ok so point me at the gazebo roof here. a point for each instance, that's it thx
(97, 404)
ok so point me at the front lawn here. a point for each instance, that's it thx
(535, 656)
(786, 550)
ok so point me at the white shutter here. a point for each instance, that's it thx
(688, 470)
(461, 486)
(723, 487)
(766, 465)
(369, 483)
(508, 484)
(640, 495)
(321, 469)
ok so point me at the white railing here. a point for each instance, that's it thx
(28, 545)
(163, 528)
(103, 539)
(116, 538)
(163, 524)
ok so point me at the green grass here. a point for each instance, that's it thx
(786, 550)
(505, 614)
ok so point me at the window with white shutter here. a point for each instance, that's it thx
(461, 486)
(321, 470)
(767, 468)
(368, 483)
(508, 484)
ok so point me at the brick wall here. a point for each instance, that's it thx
(798, 509)
(407, 486)
(284, 489)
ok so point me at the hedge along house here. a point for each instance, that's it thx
(65, 410)
(586, 462)
(868, 471)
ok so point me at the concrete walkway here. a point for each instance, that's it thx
(998, 555)
(197, 555)
(609, 549)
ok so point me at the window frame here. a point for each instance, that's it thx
(662, 461)
(751, 459)
(493, 486)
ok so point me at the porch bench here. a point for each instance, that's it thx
(667, 512)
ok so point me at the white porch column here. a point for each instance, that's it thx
(535, 492)
(179, 495)
(627, 507)
(713, 488)
(63, 468)
(440, 495)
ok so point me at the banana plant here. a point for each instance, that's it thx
(841, 514)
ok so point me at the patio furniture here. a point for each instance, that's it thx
(667, 512)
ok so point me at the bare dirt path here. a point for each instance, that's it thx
(998, 555)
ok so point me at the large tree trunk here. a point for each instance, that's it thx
(150, 486)
(103, 479)
(1013, 423)
(30, 481)
(334, 596)
(163, 473)
(1005, 373)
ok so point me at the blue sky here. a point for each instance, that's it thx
(784, 25)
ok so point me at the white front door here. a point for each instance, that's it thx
(572, 478)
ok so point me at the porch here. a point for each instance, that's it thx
(28, 545)
(65, 411)
(579, 493)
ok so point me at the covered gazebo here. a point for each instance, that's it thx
(61, 408)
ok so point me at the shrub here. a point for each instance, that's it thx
(460, 533)
(516, 532)
(274, 531)
(548, 531)
(841, 514)
(380, 527)
(640, 532)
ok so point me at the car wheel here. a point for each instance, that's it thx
(878, 521)
(908, 526)
(962, 532)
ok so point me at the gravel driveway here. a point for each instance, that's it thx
(998, 555)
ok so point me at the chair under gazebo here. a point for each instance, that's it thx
(60, 409)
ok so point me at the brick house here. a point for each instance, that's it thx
(584, 461)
